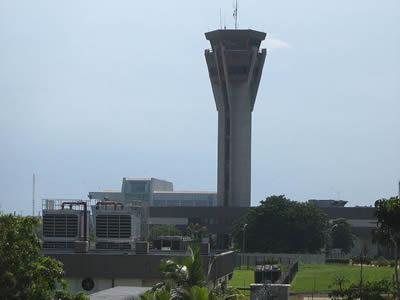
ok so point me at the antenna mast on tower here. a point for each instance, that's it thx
(235, 14)
(399, 190)
(33, 195)
(220, 18)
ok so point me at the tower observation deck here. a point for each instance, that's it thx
(235, 64)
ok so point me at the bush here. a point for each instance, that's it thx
(269, 261)
(371, 290)
(356, 260)
(392, 263)
(382, 262)
(344, 261)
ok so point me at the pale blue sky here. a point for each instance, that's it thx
(92, 91)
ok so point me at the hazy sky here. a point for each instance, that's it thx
(92, 91)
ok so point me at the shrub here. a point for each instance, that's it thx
(344, 261)
(367, 260)
(392, 263)
(382, 262)
(356, 260)
(370, 290)
(271, 261)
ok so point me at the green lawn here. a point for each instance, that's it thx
(323, 275)
(242, 278)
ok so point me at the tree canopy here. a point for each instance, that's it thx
(281, 225)
(159, 230)
(388, 229)
(341, 235)
(196, 231)
(24, 272)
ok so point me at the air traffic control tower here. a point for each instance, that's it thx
(235, 64)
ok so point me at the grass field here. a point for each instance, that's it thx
(322, 275)
(242, 278)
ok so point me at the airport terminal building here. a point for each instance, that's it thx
(181, 208)
(156, 192)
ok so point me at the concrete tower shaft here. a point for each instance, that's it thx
(235, 65)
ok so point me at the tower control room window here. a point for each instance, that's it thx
(137, 187)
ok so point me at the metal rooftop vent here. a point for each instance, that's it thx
(113, 226)
(116, 226)
(60, 225)
(63, 223)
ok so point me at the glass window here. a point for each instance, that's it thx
(137, 187)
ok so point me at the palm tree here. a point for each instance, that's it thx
(186, 281)
(159, 294)
(187, 273)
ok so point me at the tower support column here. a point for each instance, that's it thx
(235, 66)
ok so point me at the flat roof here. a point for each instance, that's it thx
(185, 192)
(120, 293)
(144, 179)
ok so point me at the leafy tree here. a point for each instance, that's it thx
(24, 272)
(388, 229)
(196, 231)
(341, 235)
(159, 230)
(281, 225)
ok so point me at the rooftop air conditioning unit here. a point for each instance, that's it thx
(64, 223)
(117, 227)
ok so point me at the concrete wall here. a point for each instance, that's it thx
(269, 291)
(75, 283)
(113, 268)
(168, 221)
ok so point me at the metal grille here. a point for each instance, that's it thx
(60, 225)
(114, 246)
(58, 245)
(113, 226)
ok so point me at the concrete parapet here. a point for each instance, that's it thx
(81, 246)
(260, 291)
(142, 247)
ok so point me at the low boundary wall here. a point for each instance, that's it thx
(252, 259)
